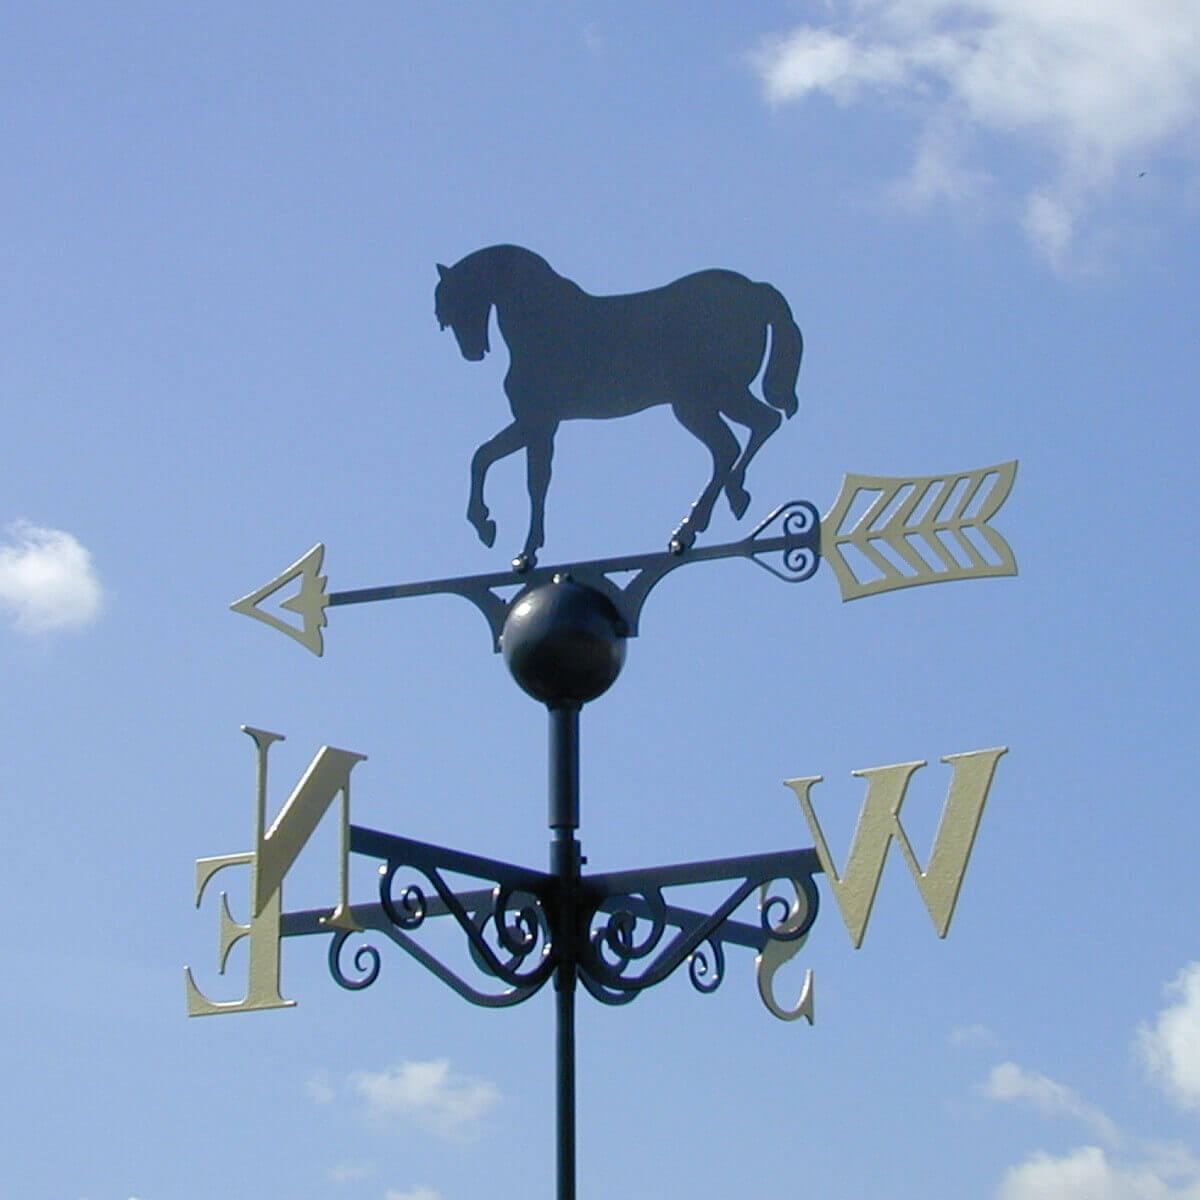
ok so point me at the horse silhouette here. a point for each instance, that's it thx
(696, 344)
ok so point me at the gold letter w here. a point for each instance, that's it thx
(879, 822)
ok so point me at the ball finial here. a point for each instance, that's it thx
(564, 643)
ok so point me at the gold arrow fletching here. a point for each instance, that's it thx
(925, 529)
(309, 603)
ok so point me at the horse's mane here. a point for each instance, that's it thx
(506, 260)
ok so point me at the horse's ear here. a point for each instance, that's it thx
(442, 271)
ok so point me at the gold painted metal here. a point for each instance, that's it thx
(309, 603)
(262, 988)
(775, 953)
(327, 776)
(879, 822)
(916, 530)
(276, 849)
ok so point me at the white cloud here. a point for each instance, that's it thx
(1087, 1173)
(419, 1193)
(47, 581)
(427, 1092)
(1010, 1082)
(1147, 1170)
(1171, 1046)
(1094, 85)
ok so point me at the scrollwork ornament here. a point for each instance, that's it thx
(797, 915)
(366, 963)
(412, 907)
(519, 929)
(800, 562)
(799, 519)
(706, 975)
(618, 937)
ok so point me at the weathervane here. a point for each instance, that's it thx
(697, 345)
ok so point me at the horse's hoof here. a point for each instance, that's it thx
(523, 562)
(739, 501)
(486, 530)
(681, 540)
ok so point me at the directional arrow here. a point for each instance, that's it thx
(308, 603)
(914, 530)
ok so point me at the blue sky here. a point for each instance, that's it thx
(219, 226)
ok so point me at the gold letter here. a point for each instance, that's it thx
(275, 851)
(879, 822)
(777, 952)
(262, 989)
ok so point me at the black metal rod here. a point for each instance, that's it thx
(565, 864)
(564, 998)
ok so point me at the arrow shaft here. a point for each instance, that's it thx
(659, 562)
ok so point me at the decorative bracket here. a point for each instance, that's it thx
(620, 931)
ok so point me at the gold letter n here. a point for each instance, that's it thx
(327, 776)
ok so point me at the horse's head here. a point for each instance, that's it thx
(465, 310)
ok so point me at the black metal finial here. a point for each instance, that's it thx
(564, 643)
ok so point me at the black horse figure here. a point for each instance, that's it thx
(696, 344)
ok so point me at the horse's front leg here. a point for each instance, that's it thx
(539, 452)
(509, 440)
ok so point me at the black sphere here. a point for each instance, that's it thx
(563, 643)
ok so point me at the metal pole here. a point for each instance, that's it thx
(565, 864)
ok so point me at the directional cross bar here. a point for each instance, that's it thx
(628, 938)
(797, 542)
(882, 533)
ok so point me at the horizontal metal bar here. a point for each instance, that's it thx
(783, 864)
(371, 916)
(391, 848)
(470, 585)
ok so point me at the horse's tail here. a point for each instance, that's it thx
(787, 345)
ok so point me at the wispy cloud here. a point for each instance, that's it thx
(419, 1193)
(1012, 1083)
(1087, 1173)
(47, 581)
(1094, 87)
(349, 1172)
(1144, 1169)
(978, 1037)
(1171, 1046)
(428, 1093)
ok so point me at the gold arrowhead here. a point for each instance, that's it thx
(308, 603)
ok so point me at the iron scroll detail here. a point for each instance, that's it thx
(628, 948)
(627, 935)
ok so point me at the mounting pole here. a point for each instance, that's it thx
(565, 862)
(565, 645)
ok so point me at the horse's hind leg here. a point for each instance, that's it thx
(707, 425)
(743, 407)
(510, 439)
